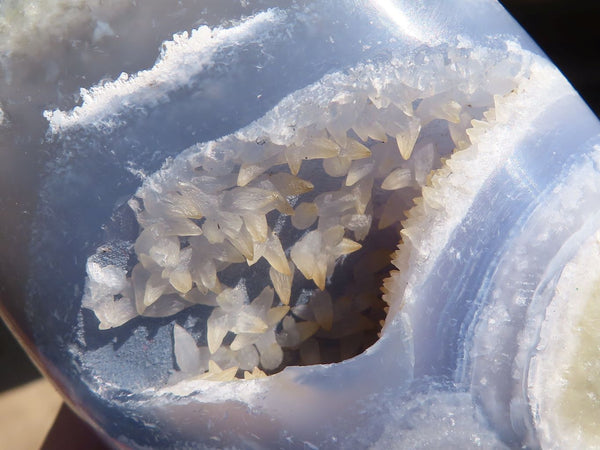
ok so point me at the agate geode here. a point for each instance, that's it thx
(316, 225)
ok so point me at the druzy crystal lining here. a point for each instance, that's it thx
(285, 230)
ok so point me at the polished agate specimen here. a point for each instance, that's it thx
(320, 225)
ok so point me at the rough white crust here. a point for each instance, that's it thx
(187, 55)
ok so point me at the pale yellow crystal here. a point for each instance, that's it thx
(398, 179)
(282, 283)
(322, 308)
(305, 215)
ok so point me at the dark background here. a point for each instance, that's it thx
(567, 30)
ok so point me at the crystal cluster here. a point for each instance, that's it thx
(316, 188)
